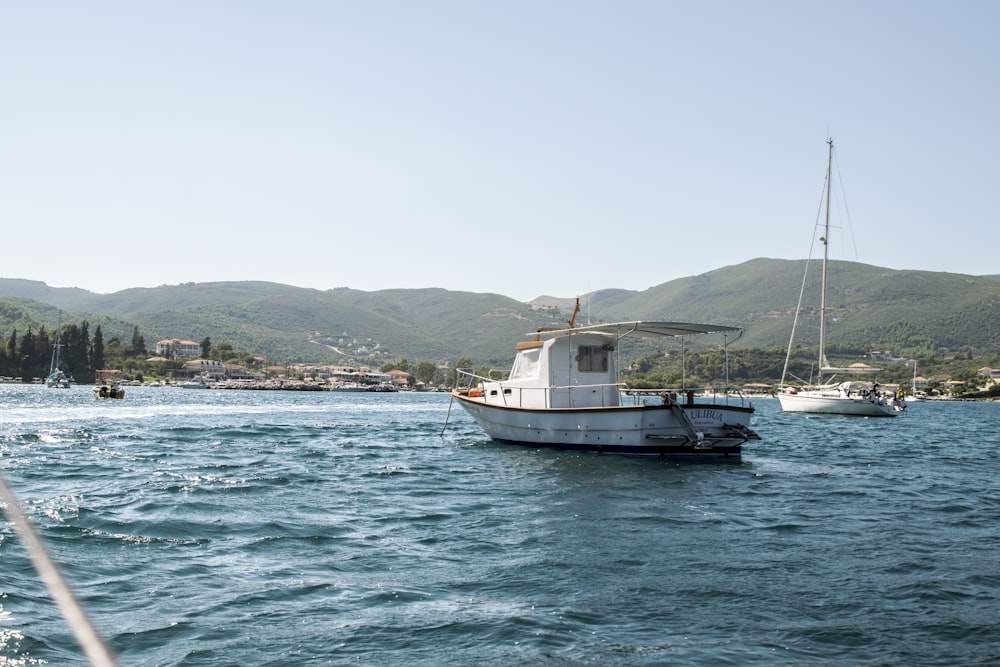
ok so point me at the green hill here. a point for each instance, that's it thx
(291, 324)
(867, 305)
(871, 308)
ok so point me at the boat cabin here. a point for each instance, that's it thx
(571, 371)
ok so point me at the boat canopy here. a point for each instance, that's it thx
(853, 369)
(644, 329)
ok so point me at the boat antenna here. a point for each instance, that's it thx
(576, 311)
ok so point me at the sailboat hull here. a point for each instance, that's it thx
(821, 403)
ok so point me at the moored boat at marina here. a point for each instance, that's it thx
(57, 379)
(348, 386)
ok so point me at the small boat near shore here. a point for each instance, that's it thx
(563, 391)
(348, 387)
(109, 384)
(57, 380)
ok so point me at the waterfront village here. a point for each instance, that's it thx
(194, 371)
(218, 375)
(191, 371)
(361, 378)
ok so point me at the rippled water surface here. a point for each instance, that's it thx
(277, 528)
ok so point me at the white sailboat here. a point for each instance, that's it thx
(914, 397)
(832, 397)
(56, 378)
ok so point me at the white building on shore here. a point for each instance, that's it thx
(175, 348)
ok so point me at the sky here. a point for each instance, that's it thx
(523, 147)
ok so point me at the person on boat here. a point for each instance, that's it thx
(846, 388)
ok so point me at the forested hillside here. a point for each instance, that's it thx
(909, 313)
(291, 324)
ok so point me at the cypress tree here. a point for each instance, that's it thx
(4, 359)
(138, 342)
(75, 351)
(27, 357)
(10, 368)
(97, 350)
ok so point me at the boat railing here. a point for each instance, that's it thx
(465, 379)
(685, 395)
(555, 396)
(468, 381)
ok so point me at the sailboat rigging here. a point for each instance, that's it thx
(843, 398)
(56, 378)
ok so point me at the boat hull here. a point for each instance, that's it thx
(105, 391)
(650, 430)
(811, 402)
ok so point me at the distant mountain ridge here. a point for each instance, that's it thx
(901, 310)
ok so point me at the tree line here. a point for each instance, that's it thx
(79, 355)
(701, 368)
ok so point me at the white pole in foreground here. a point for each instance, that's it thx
(93, 645)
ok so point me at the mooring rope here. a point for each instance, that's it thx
(447, 417)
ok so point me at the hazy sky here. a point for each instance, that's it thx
(522, 148)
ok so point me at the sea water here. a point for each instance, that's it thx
(208, 527)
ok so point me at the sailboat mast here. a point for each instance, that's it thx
(825, 240)
(54, 363)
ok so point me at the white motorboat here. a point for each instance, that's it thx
(834, 397)
(563, 391)
(349, 387)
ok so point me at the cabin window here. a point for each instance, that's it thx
(592, 359)
(527, 364)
